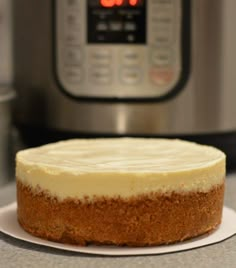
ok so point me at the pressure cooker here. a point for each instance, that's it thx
(123, 67)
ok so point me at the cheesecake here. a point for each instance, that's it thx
(120, 191)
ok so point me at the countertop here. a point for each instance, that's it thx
(15, 253)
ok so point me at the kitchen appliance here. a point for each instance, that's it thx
(7, 94)
(6, 42)
(6, 148)
(132, 67)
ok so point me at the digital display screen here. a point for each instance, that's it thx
(116, 21)
(120, 3)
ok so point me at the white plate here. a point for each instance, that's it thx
(9, 225)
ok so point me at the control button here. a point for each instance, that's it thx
(162, 38)
(116, 26)
(100, 57)
(161, 57)
(73, 21)
(130, 57)
(163, 16)
(162, 9)
(101, 26)
(73, 75)
(163, 19)
(130, 76)
(162, 3)
(162, 77)
(72, 3)
(72, 56)
(100, 75)
(130, 27)
(162, 24)
(72, 38)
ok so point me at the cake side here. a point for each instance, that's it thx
(142, 220)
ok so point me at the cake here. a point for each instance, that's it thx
(120, 191)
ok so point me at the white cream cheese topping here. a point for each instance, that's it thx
(120, 167)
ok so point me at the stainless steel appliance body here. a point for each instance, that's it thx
(6, 96)
(152, 69)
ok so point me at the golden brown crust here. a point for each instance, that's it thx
(139, 221)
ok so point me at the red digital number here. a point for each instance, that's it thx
(119, 2)
(113, 3)
(133, 2)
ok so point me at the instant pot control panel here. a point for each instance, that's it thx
(125, 49)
